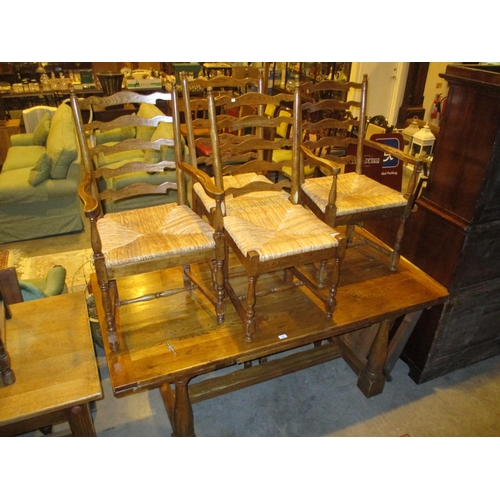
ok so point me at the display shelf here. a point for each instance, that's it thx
(283, 74)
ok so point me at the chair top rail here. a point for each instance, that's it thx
(329, 142)
(329, 85)
(251, 99)
(330, 104)
(134, 167)
(124, 97)
(137, 190)
(126, 121)
(329, 123)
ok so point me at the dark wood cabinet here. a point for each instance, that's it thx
(454, 234)
(413, 98)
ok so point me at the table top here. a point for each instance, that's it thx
(369, 292)
(52, 354)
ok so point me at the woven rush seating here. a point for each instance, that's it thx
(355, 193)
(278, 230)
(138, 236)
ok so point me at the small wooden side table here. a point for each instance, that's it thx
(52, 354)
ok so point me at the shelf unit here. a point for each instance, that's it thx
(283, 74)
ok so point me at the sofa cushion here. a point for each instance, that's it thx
(104, 159)
(41, 171)
(22, 157)
(115, 135)
(62, 145)
(128, 132)
(147, 111)
(15, 188)
(164, 130)
(42, 129)
(22, 140)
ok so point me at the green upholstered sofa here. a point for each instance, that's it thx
(114, 160)
(39, 181)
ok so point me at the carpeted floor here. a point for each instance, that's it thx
(78, 265)
(4, 259)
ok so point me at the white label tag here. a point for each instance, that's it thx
(282, 336)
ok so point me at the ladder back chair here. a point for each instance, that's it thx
(196, 128)
(151, 238)
(265, 226)
(249, 124)
(352, 198)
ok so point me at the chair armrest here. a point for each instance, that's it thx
(330, 165)
(379, 146)
(85, 191)
(22, 140)
(207, 183)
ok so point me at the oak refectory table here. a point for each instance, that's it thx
(171, 343)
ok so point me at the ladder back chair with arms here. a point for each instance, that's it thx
(248, 123)
(352, 198)
(265, 226)
(196, 128)
(151, 238)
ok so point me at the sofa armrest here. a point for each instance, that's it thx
(22, 140)
(55, 281)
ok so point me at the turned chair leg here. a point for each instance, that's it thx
(250, 309)
(185, 276)
(350, 234)
(396, 252)
(322, 273)
(220, 273)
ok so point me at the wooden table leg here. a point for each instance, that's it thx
(399, 340)
(371, 380)
(179, 408)
(80, 421)
(183, 411)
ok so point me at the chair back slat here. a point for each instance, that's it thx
(120, 169)
(251, 152)
(332, 121)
